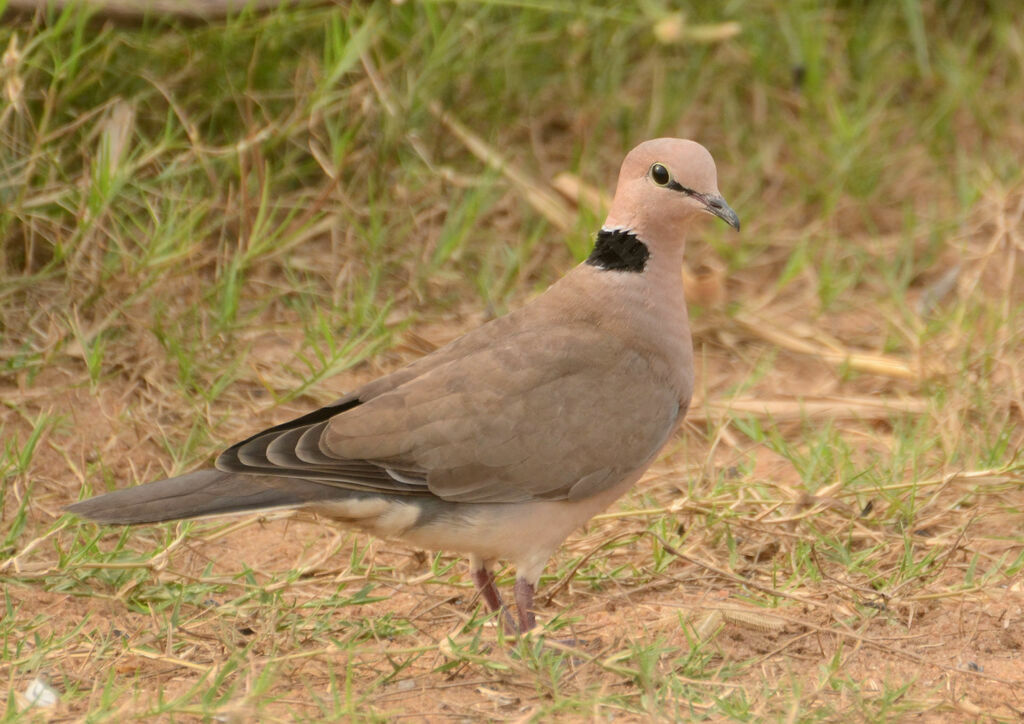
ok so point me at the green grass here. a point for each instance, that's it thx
(207, 227)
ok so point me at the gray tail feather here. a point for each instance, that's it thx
(202, 493)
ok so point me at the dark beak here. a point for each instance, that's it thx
(716, 205)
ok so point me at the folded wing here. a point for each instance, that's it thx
(547, 414)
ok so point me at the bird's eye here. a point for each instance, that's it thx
(660, 175)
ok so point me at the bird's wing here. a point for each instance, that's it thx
(558, 412)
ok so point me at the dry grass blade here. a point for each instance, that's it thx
(715, 616)
(860, 361)
(582, 193)
(536, 193)
(173, 661)
(855, 408)
(137, 10)
(674, 28)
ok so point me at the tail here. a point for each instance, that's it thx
(202, 493)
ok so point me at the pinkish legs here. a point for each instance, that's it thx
(483, 578)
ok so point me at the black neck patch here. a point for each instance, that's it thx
(619, 250)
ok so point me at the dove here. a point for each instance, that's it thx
(502, 443)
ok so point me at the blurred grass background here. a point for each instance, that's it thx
(203, 222)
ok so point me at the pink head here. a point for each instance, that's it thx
(664, 184)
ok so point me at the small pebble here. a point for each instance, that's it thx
(39, 693)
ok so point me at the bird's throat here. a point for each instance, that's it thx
(619, 250)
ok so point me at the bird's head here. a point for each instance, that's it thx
(663, 185)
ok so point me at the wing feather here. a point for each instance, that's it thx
(557, 415)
